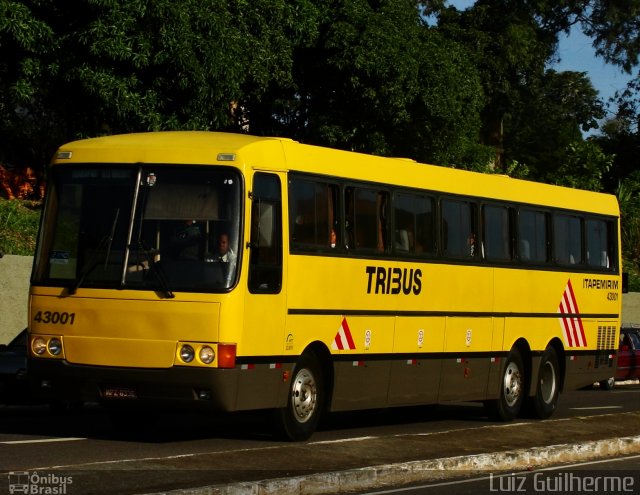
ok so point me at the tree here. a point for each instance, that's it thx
(620, 136)
(544, 129)
(510, 47)
(108, 66)
(615, 29)
(366, 85)
(26, 42)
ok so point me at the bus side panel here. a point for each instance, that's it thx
(466, 365)
(263, 385)
(360, 384)
(587, 367)
(362, 366)
(416, 378)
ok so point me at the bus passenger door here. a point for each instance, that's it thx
(265, 304)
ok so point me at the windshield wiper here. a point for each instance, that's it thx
(88, 267)
(156, 269)
(113, 233)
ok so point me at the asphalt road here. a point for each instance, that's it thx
(83, 452)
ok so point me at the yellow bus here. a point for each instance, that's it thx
(227, 272)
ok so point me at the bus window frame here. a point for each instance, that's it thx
(477, 205)
(334, 187)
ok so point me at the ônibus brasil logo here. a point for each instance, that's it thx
(35, 483)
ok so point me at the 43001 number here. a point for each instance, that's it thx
(54, 317)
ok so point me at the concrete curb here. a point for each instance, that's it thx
(424, 471)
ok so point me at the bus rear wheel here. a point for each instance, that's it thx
(512, 384)
(299, 419)
(543, 403)
(608, 384)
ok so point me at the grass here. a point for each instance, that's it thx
(19, 222)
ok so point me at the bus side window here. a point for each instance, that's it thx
(413, 217)
(532, 235)
(497, 234)
(265, 259)
(599, 244)
(366, 219)
(567, 239)
(313, 219)
(459, 235)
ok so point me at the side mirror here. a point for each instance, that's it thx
(625, 282)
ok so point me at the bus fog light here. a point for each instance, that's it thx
(38, 346)
(204, 394)
(187, 353)
(55, 346)
(207, 354)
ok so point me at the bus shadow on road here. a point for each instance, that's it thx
(93, 421)
(405, 416)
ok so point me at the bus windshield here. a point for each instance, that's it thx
(159, 228)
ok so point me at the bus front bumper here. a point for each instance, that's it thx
(180, 388)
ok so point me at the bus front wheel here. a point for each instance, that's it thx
(512, 383)
(299, 419)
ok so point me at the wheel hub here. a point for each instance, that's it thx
(304, 395)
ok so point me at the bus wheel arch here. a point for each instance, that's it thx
(307, 395)
(562, 364)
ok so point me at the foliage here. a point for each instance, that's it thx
(510, 48)
(615, 29)
(80, 69)
(333, 73)
(628, 193)
(547, 119)
(365, 85)
(620, 136)
(583, 166)
(18, 226)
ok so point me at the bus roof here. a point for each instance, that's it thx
(200, 147)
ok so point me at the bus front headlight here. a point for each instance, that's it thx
(55, 346)
(207, 354)
(38, 346)
(187, 353)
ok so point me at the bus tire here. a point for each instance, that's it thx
(512, 383)
(543, 403)
(299, 419)
(608, 384)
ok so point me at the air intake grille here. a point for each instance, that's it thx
(606, 343)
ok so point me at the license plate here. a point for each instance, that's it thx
(119, 393)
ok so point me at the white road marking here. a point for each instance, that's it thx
(593, 408)
(41, 440)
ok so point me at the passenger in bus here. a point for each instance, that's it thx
(333, 239)
(472, 244)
